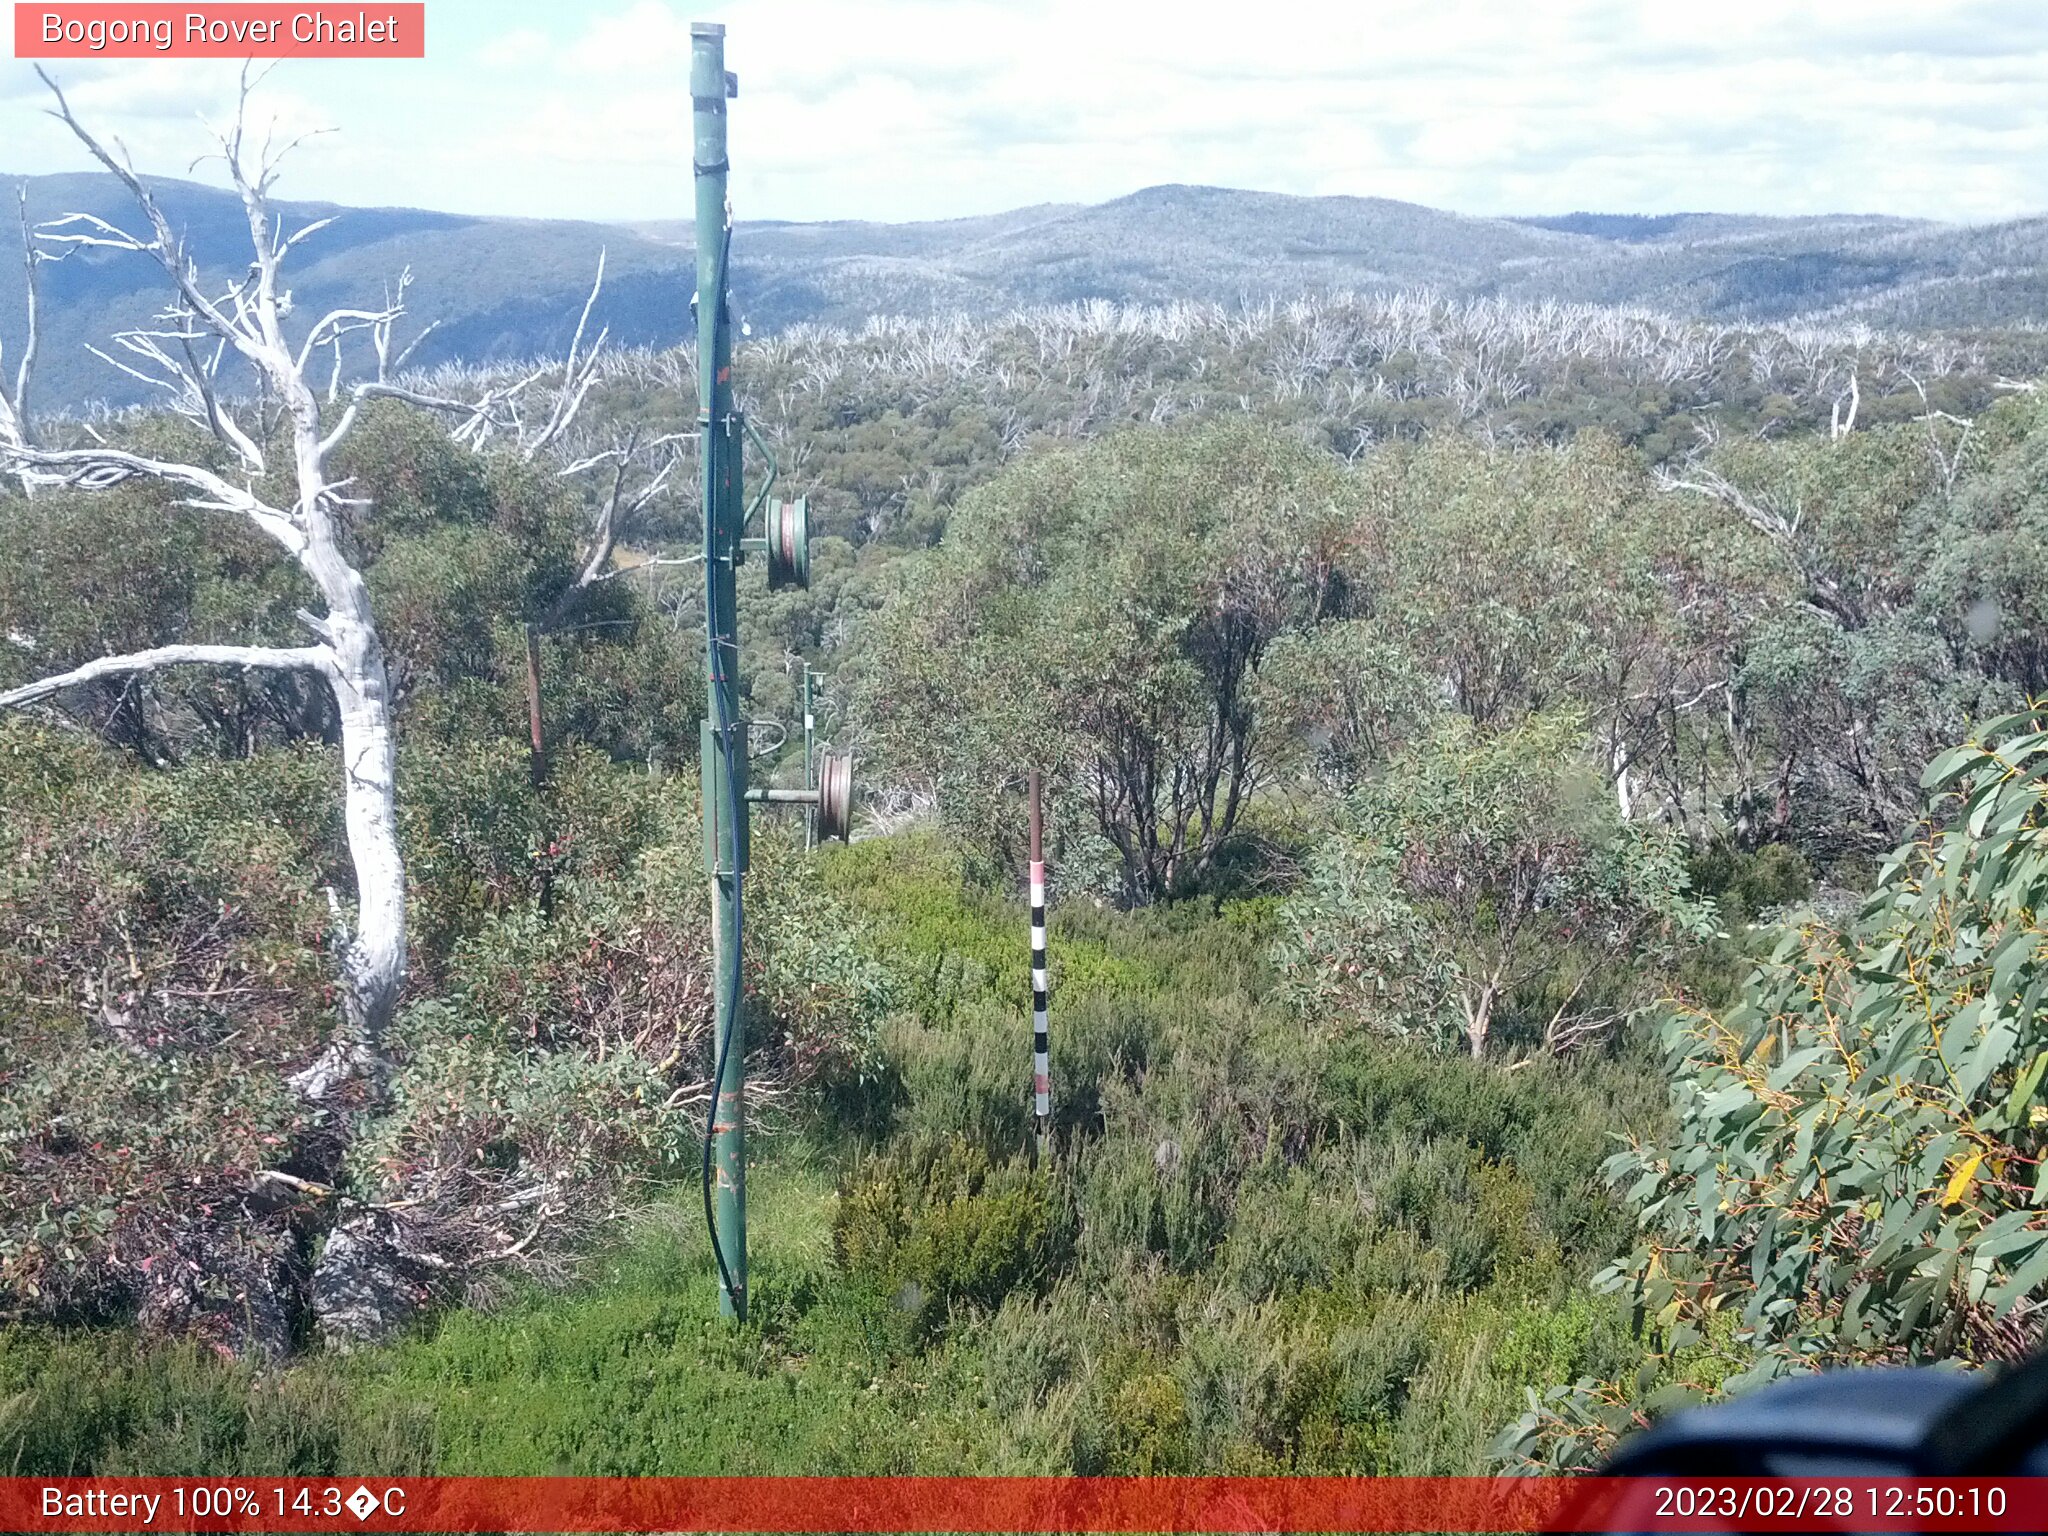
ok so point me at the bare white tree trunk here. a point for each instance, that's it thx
(373, 962)
(1842, 422)
(1619, 764)
(245, 320)
(14, 415)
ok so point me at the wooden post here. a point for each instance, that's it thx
(537, 750)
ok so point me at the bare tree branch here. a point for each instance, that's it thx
(639, 566)
(1946, 463)
(1775, 524)
(575, 384)
(99, 469)
(311, 658)
(490, 412)
(616, 512)
(166, 248)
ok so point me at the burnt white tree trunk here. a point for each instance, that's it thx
(373, 962)
(181, 352)
(14, 417)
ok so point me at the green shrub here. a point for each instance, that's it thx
(1486, 878)
(933, 1223)
(1147, 1429)
(1103, 1039)
(162, 966)
(1300, 1228)
(970, 1079)
(107, 1404)
(1153, 1198)
(1747, 885)
(1552, 1123)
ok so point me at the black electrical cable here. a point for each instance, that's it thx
(734, 807)
(732, 1028)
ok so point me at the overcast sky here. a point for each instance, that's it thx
(912, 109)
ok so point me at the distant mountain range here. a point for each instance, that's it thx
(505, 288)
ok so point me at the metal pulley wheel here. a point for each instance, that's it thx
(835, 796)
(789, 544)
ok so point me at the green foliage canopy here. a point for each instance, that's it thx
(1100, 614)
(1859, 1171)
(1487, 871)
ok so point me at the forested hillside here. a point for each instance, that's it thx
(508, 289)
(1510, 766)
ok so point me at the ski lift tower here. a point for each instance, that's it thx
(785, 541)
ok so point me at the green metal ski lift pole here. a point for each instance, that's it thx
(785, 541)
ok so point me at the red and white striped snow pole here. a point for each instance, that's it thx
(1041, 1042)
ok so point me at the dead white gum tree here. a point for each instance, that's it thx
(182, 353)
(14, 418)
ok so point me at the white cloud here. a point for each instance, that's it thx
(165, 115)
(929, 108)
(517, 49)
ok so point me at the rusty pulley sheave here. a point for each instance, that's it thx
(835, 796)
(789, 544)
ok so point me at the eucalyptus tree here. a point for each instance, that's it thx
(1102, 614)
(1529, 580)
(1854, 1170)
(1485, 872)
(1905, 561)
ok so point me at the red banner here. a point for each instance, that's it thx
(1023, 1504)
(241, 31)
